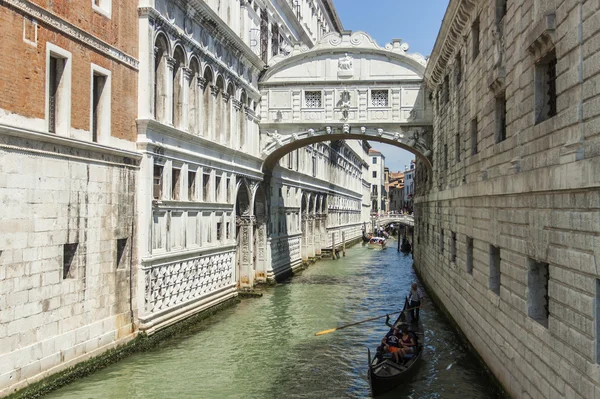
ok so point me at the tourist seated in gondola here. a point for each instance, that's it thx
(391, 344)
(407, 343)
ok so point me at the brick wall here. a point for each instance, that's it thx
(535, 196)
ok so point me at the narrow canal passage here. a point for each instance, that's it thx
(266, 348)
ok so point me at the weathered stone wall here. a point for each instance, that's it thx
(535, 196)
(53, 195)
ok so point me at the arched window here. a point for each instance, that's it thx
(161, 51)
(194, 98)
(219, 114)
(178, 83)
(242, 120)
(229, 114)
(207, 123)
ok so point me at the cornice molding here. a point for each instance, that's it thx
(449, 38)
(48, 18)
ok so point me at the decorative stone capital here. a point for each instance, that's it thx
(170, 62)
(214, 90)
(226, 97)
(187, 73)
(541, 38)
(237, 104)
(201, 83)
(245, 220)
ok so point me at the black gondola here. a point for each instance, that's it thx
(405, 246)
(384, 373)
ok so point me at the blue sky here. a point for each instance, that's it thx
(415, 22)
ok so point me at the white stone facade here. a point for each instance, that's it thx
(376, 178)
(508, 219)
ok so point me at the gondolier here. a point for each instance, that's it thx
(415, 297)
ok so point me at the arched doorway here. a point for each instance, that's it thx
(243, 221)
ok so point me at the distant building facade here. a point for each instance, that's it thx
(396, 192)
(376, 178)
(409, 186)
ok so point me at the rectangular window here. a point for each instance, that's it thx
(501, 8)
(457, 147)
(374, 173)
(219, 231)
(446, 90)
(374, 160)
(59, 95)
(442, 241)
(191, 186)
(469, 255)
(474, 128)
(495, 269)
(312, 99)
(500, 135)
(228, 230)
(69, 251)
(475, 37)
(103, 7)
(314, 166)
(274, 39)
(218, 188)
(228, 189)
(545, 88)
(98, 111)
(175, 184)
(446, 157)
(379, 98)
(121, 258)
(453, 248)
(538, 277)
(157, 182)
(206, 187)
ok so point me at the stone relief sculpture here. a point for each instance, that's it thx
(498, 45)
(345, 66)
(346, 128)
(417, 140)
(275, 140)
(380, 132)
(328, 129)
(345, 104)
(311, 132)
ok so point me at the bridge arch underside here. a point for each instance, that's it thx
(404, 141)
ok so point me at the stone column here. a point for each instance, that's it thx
(245, 249)
(261, 248)
(168, 117)
(235, 117)
(311, 236)
(187, 77)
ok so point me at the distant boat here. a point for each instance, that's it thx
(405, 246)
(377, 243)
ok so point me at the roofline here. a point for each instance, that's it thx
(330, 8)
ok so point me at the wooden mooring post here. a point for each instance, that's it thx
(343, 243)
(333, 246)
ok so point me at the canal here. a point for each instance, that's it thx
(266, 348)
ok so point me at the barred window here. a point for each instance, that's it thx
(312, 99)
(379, 98)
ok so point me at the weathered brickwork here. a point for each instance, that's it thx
(67, 285)
(524, 197)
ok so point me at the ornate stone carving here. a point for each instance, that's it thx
(214, 90)
(328, 130)
(170, 62)
(498, 40)
(345, 66)
(346, 128)
(363, 130)
(275, 141)
(380, 132)
(169, 285)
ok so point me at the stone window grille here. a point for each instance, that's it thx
(228, 230)
(538, 277)
(69, 252)
(312, 99)
(474, 128)
(545, 88)
(121, 246)
(500, 135)
(494, 281)
(469, 263)
(475, 37)
(379, 98)
(453, 247)
(157, 182)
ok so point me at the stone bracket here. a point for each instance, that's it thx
(541, 39)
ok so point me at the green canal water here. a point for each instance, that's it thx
(266, 347)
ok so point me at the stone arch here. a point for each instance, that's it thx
(260, 210)
(161, 54)
(179, 65)
(243, 222)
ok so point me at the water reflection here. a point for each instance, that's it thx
(266, 348)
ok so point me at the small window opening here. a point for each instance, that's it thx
(157, 182)
(453, 248)
(469, 265)
(192, 186)
(457, 147)
(175, 184)
(121, 246)
(98, 111)
(206, 187)
(474, 149)
(545, 88)
(475, 36)
(500, 135)
(69, 251)
(538, 300)
(495, 269)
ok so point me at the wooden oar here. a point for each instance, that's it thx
(360, 322)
